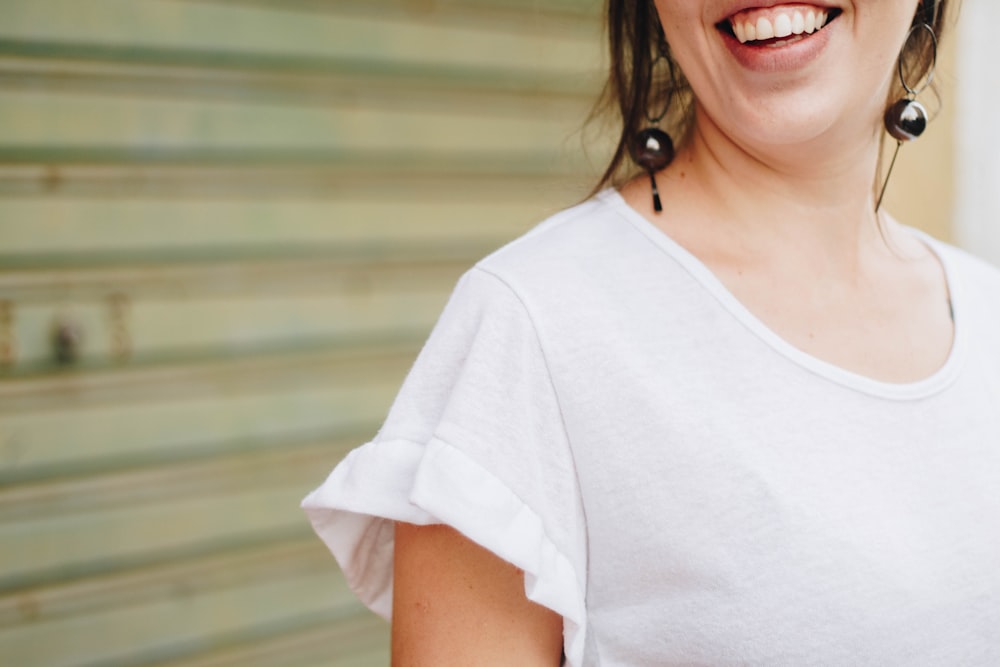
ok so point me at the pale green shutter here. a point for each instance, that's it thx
(250, 214)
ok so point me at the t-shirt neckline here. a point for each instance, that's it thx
(943, 377)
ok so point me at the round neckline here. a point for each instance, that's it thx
(939, 380)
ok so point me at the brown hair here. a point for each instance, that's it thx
(639, 84)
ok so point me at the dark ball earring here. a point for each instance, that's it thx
(906, 118)
(652, 148)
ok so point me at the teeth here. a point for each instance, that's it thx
(764, 29)
(784, 24)
(799, 23)
(810, 22)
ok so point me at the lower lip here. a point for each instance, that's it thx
(783, 58)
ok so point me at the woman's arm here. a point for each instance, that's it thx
(455, 603)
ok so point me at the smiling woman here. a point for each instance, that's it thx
(727, 411)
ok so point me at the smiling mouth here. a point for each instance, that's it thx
(777, 26)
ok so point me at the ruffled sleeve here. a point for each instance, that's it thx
(474, 440)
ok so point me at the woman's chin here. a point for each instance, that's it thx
(797, 125)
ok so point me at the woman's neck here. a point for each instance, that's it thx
(793, 234)
(815, 200)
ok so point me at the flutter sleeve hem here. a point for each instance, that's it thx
(398, 480)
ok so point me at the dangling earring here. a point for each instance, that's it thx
(906, 118)
(652, 148)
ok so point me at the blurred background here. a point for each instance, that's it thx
(226, 227)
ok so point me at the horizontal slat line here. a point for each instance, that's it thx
(279, 257)
(69, 573)
(59, 226)
(567, 82)
(235, 473)
(239, 471)
(293, 349)
(524, 12)
(51, 178)
(323, 642)
(184, 619)
(332, 89)
(193, 327)
(189, 356)
(182, 454)
(376, 161)
(250, 372)
(36, 442)
(350, 630)
(223, 569)
(124, 172)
(186, 271)
(327, 93)
(38, 551)
(276, 259)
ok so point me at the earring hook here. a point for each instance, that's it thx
(929, 77)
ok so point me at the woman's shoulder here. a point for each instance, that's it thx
(594, 243)
(974, 285)
(975, 272)
(571, 230)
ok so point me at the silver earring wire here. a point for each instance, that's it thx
(911, 94)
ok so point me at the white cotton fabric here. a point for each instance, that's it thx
(678, 482)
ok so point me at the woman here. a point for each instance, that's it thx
(756, 427)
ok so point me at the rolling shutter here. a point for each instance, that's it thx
(225, 229)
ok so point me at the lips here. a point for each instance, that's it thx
(777, 25)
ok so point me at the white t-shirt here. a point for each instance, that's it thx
(678, 482)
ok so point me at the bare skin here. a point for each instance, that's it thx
(811, 265)
(457, 604)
